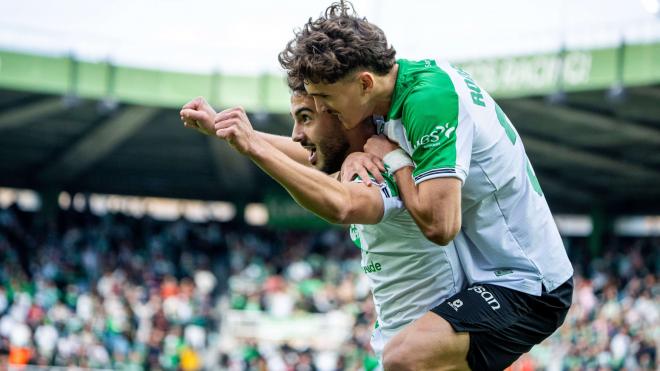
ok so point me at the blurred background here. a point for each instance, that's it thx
(130, 243)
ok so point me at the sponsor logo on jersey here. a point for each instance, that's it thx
(487, 296)
(373, 267)
(356, 236)
(455, 304)
(432, 139)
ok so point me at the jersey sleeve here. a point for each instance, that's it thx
(389, 192)
(440, 133)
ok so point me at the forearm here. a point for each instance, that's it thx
(409, 193)
(287, 146)
(324, 196)
(437, 214)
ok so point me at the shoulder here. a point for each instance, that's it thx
(429, 105)
(432, 92)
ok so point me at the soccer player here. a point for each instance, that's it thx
(468, 180)
(408, 274)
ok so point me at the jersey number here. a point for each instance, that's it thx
(511, 134)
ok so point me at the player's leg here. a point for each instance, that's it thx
(502, 324)
(429, 343)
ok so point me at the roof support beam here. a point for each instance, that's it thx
(25, 114)
(233, 171)
(97, 144)
(587, 120)
(646, 92)
(558, 188)
(586, 159)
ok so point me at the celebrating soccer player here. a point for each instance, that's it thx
(408, 274)
(463, 175)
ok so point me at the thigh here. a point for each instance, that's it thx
(428, 343)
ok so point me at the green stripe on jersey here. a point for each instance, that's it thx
(533, 179)
(506, 124)
(390, 184)
(425, 100)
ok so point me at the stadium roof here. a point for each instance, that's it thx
(590, 121)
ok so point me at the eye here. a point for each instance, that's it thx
(306, 119)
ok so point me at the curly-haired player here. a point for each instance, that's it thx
(461, 166)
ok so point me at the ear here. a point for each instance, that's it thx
(366, 81)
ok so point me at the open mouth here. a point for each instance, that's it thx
(312, 154)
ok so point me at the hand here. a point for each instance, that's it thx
(361, 164)
(199, 115)
(234, 126)
(379, 146)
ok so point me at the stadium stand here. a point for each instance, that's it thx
(117, 292)
(134, 293)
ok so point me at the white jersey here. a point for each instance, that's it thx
(409, 275)
(453, 128)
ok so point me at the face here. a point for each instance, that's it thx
(347, 99)
(320, 133)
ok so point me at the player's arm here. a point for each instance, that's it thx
(287, 146)
(336, 202)
(442, 142)
(199, 115)
(434, 204)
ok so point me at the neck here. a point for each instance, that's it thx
(359, 135)
(384, 91)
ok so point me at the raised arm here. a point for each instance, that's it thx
(287, 146)
(199, 115)
(336, 202)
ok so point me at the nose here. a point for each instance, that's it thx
(297, 134)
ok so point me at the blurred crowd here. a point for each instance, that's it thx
(614, 322)
(116, 292)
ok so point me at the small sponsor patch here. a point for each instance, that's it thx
(455, 304)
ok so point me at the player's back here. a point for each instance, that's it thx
(505, 214)
(451, 127)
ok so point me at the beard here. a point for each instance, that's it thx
(332, 153)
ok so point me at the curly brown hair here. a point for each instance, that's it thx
(337, 43)
(297, 85)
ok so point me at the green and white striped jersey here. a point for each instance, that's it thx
(408, 274)
(453, 128)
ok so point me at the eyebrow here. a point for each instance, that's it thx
(301, 110)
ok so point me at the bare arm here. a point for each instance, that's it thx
(199, 115)
(287, 146)
(336, 202)
(340, 203)
(434, 204)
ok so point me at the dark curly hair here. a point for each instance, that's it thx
(296, 85)
(336, 44)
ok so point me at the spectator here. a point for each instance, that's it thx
(122, 293)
